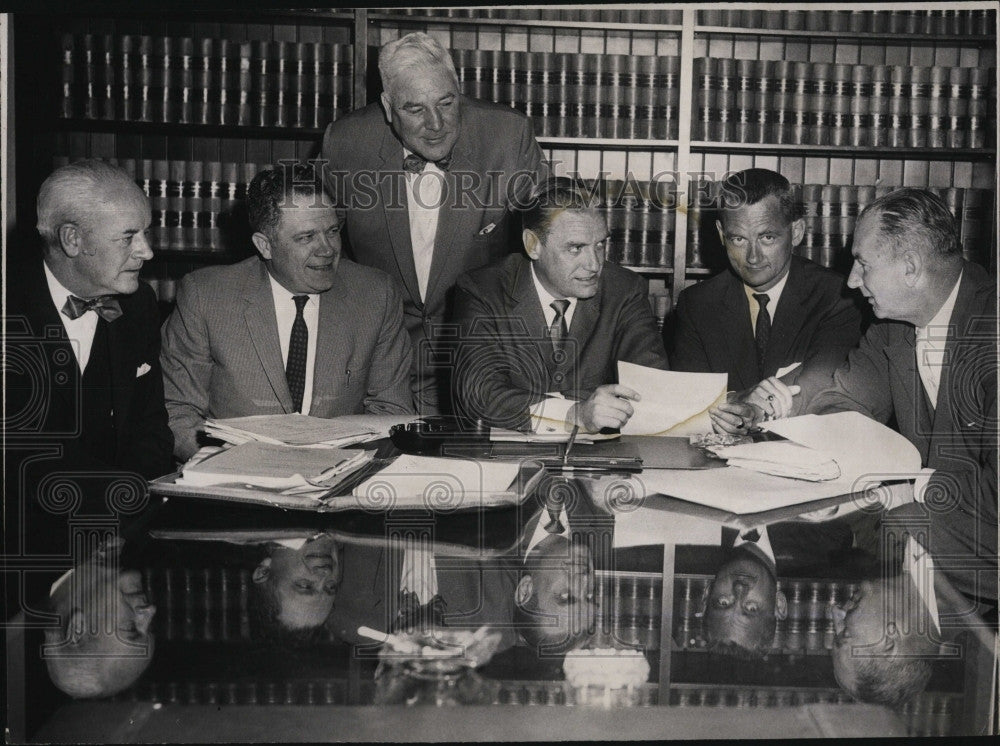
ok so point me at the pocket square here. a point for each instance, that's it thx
(142, 370)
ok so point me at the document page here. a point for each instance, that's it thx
(673, 403)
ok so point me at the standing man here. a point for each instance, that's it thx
(774, 310)
(542, 333)
(427, 177)
(299, 329)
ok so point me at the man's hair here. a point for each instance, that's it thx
(72, 193)
(890, 681)
(415, 48)
(550, 198)
(270, 191)
(752, 185)
(908, 214)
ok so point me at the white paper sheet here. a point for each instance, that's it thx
(782, 372)
(860, 445)
(673, 403)
(446, 483)
(645, 526)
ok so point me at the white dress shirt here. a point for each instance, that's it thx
(549, 415)
(423, 200)
(80, 331)
(919, 565)
(930, 342)
(284, 311)
(419, 571)
(773, 295)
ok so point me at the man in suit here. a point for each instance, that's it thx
(427, 177)
(554, 321)
(773, 310)
(299, 329)
(85, 423)
(930, 364)
(103, 643)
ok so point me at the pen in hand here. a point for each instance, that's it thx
(569, 443)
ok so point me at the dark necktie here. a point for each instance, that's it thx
(554, 526)
(106, 307)
(557, 329)
(298, 345)
(751, 535)
(415, 164)
(763, 331)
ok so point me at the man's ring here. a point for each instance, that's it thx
(770, 397)
(743, 424)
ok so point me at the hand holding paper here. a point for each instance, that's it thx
(671, 403)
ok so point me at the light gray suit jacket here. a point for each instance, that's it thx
(221, 356)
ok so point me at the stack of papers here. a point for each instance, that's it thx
(273, 466)
(501, 435)
(782, 459)
(302, 430)
(674, 404)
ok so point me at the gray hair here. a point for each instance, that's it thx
(72, 193)
(416, 48)
(910, 213)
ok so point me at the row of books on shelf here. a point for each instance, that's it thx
(205, 81)
(955, 21)
(820, 103)
(576, 94)
(831, 213)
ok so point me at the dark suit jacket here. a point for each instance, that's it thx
(53, 479)
(958, 438)
(365, 176)
(222, 357)
(505, 362)
(815, 323)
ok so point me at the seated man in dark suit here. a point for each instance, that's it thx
(84, 419)
(427, 177)
(553, 323)
(103, 643)
(299, 329)
(773, 310)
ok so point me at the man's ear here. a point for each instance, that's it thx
(780, 605)
(263, 571)
(70, 239)
(386, 106)
(524, 591)
(798, 231)
(913, 263)
(531, 243)
(263, 244)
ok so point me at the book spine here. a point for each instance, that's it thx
(627, 228)
(160, 204)
(860, 120)
(91, 103)
(109, 85)
(783, 108)
(320, 85)
(227, 79)
(564, 115)
(243, 111)
(548, 95)
(840, 106)
(879, 105)
(763, 102)
(919, 100)
(958, 108)
(597, 121)
(582, 123)
(126, 54)
(820, 117)
(979, 106)
(299, 99)
(164, 110)
(669, 69)
(205, 100)
(175, 204)
(194, 206)
(213, 206)
(725, 108)
(262, 114)
(937, 108)
(705, 99)
(745, 94)
(899, 82)
(68, 76)
(282, 83)
(185, 80)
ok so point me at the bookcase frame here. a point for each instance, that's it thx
(364, 25)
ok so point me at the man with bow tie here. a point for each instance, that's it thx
(84, 417)
(426, 177)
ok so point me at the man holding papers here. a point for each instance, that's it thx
(775, 313)
(299, 329)
(542, 332)
(930, 363)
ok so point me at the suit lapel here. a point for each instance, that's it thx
(396, 211)
(788, 317)
(738, 339)
(582, 327)
(911, 410)
(121, 338)
(526, 307)
(262, 327)
(332, 311)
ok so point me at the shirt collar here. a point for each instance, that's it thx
(57, 290)
(281, 293)
(943, 317)
(545, 297)
(773, 294)
(763, 543)
(61, 581)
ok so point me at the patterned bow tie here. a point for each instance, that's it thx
(105, 306)
(415, 164)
